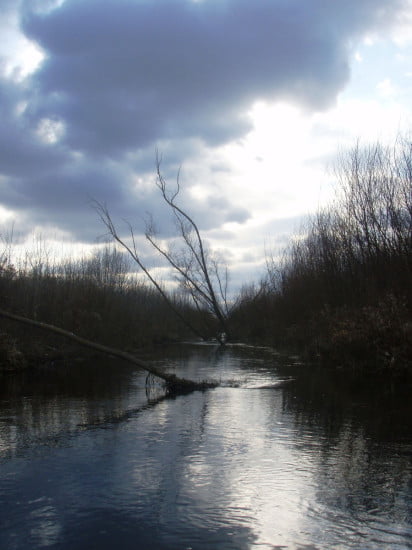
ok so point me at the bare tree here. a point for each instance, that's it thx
(199, 272)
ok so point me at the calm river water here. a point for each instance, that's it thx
(293, 457)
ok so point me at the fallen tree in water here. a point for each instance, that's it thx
(173, 383)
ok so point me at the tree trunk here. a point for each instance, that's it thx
(172, 382)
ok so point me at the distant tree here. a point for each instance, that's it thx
(199, 272)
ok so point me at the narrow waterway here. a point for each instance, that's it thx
(279, 456)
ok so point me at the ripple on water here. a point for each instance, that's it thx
(262, 465)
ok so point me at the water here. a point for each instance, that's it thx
(290, 458)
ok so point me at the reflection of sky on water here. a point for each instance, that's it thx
(46, 526)
(232, 459)
(230, 468)
(233, 364)
(260, 485)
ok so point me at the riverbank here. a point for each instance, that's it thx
(23, 347)
(370, 338)
(23, 350)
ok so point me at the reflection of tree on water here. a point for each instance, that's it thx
(51, 404)
(367, 477)
(329, 399)
(55, 402)
(360, 471)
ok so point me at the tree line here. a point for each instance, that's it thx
(341, 291)
(343, 288)
(97, 297)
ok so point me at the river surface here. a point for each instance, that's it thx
(280, 456)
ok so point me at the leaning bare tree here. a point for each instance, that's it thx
(197, 269)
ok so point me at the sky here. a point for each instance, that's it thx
(250, 101)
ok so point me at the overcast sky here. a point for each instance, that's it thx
(251, 98)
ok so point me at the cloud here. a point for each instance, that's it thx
(127, 73)
(122, 76)
(21, 150)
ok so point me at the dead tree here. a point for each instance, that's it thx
(173, 383)
(198, 271)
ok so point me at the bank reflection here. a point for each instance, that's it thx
(45, 406)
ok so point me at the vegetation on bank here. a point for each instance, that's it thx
(94, 297)
(341, 292)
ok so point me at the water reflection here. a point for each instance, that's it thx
(47, 405)
(302, 465)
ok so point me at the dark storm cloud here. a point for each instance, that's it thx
(21, 151)
(124, 73)
(65, 197)
(62, 197)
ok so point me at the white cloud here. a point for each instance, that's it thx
(50, 131)
(18, 56)
(386, 88)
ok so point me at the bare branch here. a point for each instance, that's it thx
(196, 270)
(107, 221)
